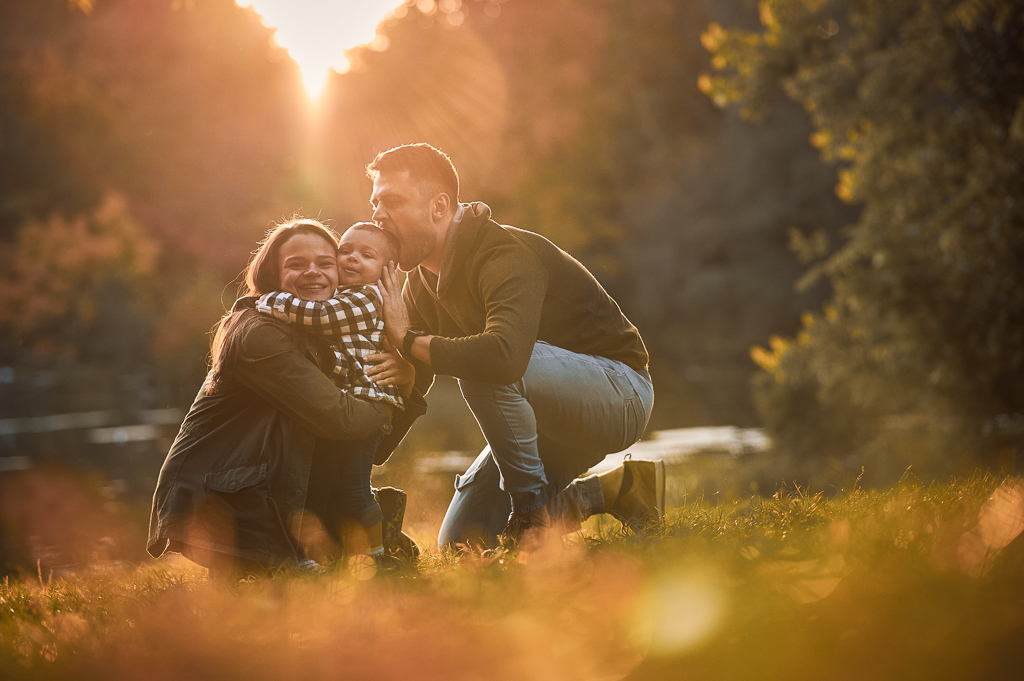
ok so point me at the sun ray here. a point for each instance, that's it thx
(317, 33)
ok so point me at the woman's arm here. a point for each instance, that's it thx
(270, 363)
(390, 368)
(351, 310)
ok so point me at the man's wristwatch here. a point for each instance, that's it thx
(410, 336)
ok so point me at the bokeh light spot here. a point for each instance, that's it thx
(678, 613)
(1000, 521)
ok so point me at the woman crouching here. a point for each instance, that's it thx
(233, 488)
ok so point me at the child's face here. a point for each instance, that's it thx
(361, 257)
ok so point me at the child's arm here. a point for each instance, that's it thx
(351, 310)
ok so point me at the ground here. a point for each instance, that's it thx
(919, 581)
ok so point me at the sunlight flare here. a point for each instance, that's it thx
(1000, 521)
(678, 613)
(317, 33)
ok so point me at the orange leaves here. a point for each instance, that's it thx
(769, 359)
(713, 38)
(54, 263)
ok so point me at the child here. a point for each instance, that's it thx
(352, 320)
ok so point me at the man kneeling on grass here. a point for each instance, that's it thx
(554, 373)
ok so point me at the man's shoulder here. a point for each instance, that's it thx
(478, 235)
(532, 240)
(483, 228)
(519, 248)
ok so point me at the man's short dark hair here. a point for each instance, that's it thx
(424, 163)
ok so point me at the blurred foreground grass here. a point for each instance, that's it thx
(914, 582)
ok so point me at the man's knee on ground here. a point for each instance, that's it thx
(472, 536)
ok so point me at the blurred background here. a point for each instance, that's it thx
(811, 211)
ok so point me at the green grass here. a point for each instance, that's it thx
(913, 582)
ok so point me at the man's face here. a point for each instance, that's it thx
(361, 257)
(402, 208)
(308, 267)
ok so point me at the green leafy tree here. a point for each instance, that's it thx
(921, 105)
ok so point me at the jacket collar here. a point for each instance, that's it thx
(460, 241)
(244, 303)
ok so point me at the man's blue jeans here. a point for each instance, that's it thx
(564, 415)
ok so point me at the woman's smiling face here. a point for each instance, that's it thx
(308, 266)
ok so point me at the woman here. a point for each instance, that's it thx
(233, 488)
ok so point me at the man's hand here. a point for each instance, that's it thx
(396, 317)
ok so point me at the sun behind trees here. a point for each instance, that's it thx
(180, 123)
(918, 359)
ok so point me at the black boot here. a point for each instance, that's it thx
(525, 528)
(392, 503)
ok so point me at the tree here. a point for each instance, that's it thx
(918, 358)
(56, 267)
(144, 149)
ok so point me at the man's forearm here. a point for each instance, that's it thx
(421, 348)
(398, 330)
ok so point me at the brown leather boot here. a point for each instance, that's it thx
(641, 499)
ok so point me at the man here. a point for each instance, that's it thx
(554, 373)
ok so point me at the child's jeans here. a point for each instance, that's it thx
(339, 484)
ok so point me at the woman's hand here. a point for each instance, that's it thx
(396, 317)
(390, 368)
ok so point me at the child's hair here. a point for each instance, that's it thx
(393, 246)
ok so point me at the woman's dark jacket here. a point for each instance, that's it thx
(235, 478)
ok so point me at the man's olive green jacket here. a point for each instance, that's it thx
(501, 289)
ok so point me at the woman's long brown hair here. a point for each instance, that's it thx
(261, 276)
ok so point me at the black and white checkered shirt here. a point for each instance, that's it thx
(352, 320)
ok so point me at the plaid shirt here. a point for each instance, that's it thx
(353, 323)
